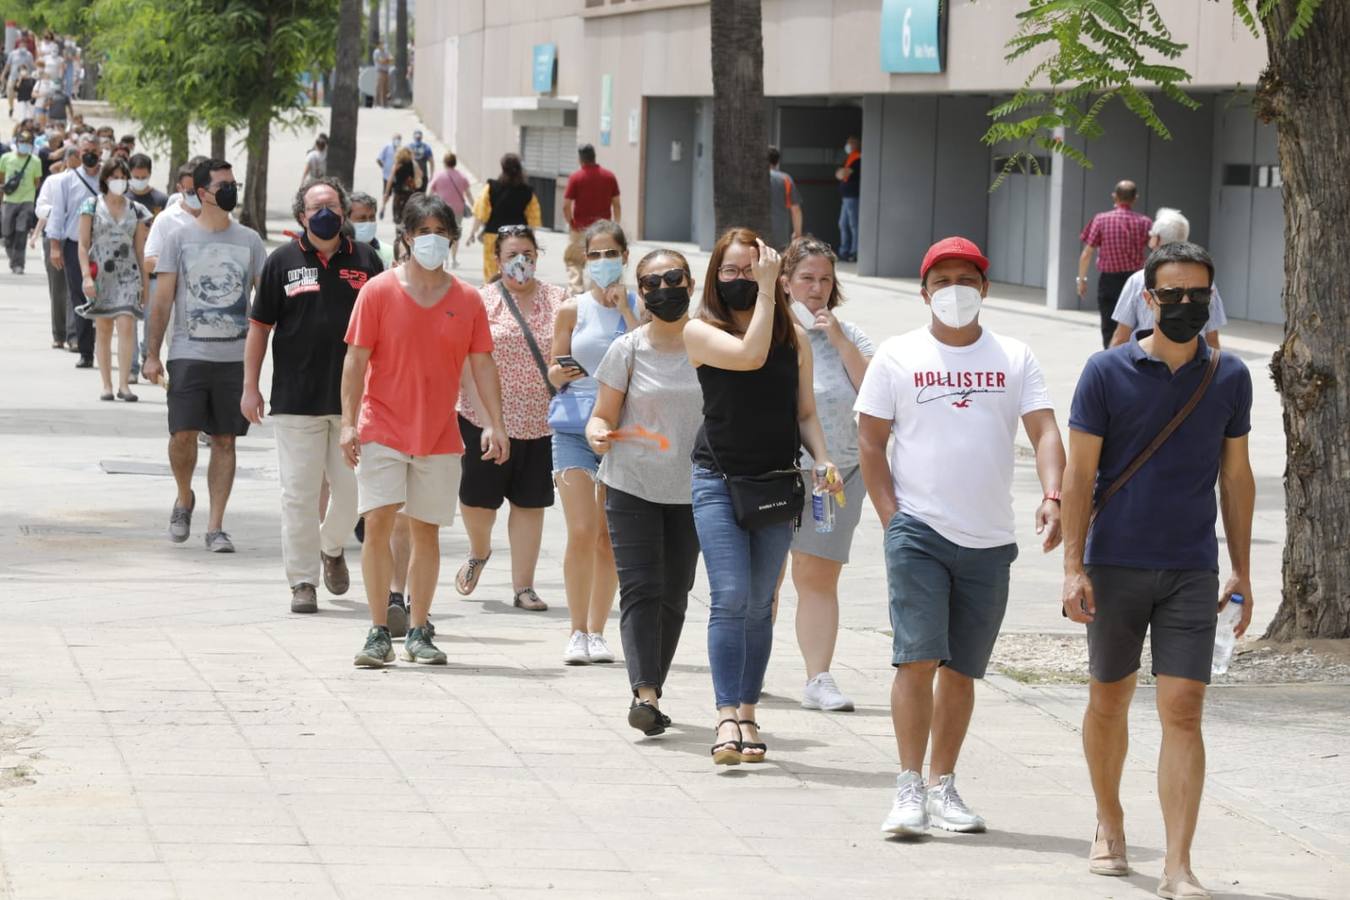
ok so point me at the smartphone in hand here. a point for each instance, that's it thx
(570, 362)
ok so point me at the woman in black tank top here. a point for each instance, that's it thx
(507, 200)
(759, 408)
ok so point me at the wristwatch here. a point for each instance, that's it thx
(1052, 495)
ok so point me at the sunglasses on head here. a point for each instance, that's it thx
(507, 231)
(672, 278)
(1176, 295)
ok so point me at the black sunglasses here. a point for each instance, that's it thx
(1176, 295)
(672, 278)
(507, 231)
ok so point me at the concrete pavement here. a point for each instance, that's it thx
(169, 729)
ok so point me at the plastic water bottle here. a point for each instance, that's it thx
(1225, 635)
(822, 505)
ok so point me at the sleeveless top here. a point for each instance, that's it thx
(750, 418)
(597, 327)
(508, 202)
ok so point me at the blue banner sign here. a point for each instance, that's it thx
(545, 60)
(912, 36)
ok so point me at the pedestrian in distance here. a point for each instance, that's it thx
(948, 398)
(405, 181)
(586, 325)
(1132, 313)
(384, 68)
(71, 189)
(1140, 553)
(20, 173)
(451, 186)
(646, 416)
(508, 199)
(304, 305)
(521, 310)
(754, 365)
(205, 272)
(1122, 236)
(112, 260)
(58, 293)
(316, 161)
(385, 160)
(849, 176)
(785, 205)
(840, 353)
(414, 332)
(364, 226)
(592, 194)
(423, 156)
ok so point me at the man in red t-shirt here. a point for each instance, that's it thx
(414, 330)
(592, 194)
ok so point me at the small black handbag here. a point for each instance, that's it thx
(767, 499)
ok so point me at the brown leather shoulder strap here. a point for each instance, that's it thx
(1138, 462)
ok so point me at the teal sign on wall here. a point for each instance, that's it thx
(912, 36)
(545, 60)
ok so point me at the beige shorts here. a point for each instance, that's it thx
(425, 487)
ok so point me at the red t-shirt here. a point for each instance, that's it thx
(592, 189)
(416, 356)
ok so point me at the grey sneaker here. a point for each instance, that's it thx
(304, 599)
(909, 815)
(397, 616)
(180, 521)
(948, 811)
(418, 648)
(335, 575)
(219, 542)
(378, 649)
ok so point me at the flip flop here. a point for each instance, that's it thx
(469, 573)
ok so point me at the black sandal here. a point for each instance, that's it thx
(751, 745)
(647, 718)
(727, 753)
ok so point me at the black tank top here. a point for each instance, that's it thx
(508, 204)
(750, 418)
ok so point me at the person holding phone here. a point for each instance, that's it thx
(586, 326)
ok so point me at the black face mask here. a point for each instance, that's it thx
(227, 196)
(1182, 322)
(667, 303)
(89, 158)
(325, 224)
(739, 294)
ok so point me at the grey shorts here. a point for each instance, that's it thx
(1179, 607)
(835, 544)
(947, 601)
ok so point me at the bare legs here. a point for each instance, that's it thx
(400, 544)
(1106, 738)
(589, 576)
(817, 583)
(918, 710)
(219, 472)
(377, 562)
(424, 567)
(126, 346)
(525, 531)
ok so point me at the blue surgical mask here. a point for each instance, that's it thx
(23, 149)
(605, 272)
(364, 232)
(430, 250)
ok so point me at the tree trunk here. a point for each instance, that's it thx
(373, 35)
(740, 170)
(399, 86)
(218, 143)
(345, 100)
(1303, 91)
(178, 154)
(253, 211)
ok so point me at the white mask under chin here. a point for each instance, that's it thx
(956, 306)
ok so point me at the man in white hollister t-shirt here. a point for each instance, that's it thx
(950, 395)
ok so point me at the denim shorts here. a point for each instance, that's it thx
(573, 451)
(947, 601)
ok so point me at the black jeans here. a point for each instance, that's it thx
(59, 294)
(84, 328)
(656, 554)
(1109, 285)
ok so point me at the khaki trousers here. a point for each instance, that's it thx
(307, 450)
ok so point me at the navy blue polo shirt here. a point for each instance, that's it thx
(1164, 516)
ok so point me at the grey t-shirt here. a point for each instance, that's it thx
(216, 271)
(663, 395)
(782, 197)
(835, 393)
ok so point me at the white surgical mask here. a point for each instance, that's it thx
(140, 184)
(956, 306)
(364, 232)
(191, 200)
(117, 186)
(430, 250)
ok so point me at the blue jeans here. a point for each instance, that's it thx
(743, 569)
(848, 227)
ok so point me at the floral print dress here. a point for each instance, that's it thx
(112, 257)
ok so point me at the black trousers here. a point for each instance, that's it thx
(84, 328)
(1109, 285)
(59, 295)
(656, 554)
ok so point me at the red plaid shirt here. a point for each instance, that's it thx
(1122, 236)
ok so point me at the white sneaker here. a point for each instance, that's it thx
(948, 811)
(822, 693)
(577, 653)
(597, 648)
(909, 814)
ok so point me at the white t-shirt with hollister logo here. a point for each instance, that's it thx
(955, 413)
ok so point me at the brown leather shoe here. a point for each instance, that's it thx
(335, 575)
(1107, 856)
(304, 599)
(1182, 886)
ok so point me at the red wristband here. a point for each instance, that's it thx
(1052, 495)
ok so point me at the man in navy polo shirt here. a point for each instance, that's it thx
(305, 301)
(1151, 561)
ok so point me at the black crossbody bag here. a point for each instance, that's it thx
(767, 499)
(12, 183)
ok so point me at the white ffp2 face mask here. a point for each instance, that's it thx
(430, 250)
(956, 306)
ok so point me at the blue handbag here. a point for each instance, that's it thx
(570, 410)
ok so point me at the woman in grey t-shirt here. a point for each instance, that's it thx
(647, 413)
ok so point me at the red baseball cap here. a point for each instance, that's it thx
(953, 248)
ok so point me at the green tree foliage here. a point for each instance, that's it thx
(61, 16)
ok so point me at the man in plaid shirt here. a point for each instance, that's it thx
(1122, 235)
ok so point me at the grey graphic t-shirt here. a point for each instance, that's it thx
(216, 271)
